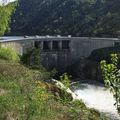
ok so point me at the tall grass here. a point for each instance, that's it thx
(24, 95)
(8, 54)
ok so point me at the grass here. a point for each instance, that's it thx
(8, 54)
(24, 96)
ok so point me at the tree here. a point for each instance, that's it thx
(5, 17)
(75, 17)
(32, 58)
(111, 76)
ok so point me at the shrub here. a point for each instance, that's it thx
(8, 54)
(65, 79)
(111, 75)
(32, 59)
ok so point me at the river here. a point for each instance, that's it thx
(96, 96)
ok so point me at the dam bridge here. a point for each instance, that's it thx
(58, 52)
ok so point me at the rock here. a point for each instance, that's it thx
(63, 89)
(86, 69)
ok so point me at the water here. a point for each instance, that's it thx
(96, 96)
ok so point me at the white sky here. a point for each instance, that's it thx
(1, 1)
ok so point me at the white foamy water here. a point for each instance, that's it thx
(97, 97)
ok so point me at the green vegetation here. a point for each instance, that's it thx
(111, 75)
(9, 54)
(65, 79)
(24, 95)
(64, 17)
(32, 58)
(5, 17)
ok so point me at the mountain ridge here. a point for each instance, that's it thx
(64, 17)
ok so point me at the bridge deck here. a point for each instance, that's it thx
(22, 38)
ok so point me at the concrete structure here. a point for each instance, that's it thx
(58, 52)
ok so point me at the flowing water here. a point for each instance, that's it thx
(96, 96)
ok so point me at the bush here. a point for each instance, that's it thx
(8, 54)
(65, 79)
(111, 75)
(32, 59)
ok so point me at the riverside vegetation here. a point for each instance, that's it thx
(5, 17)
(111, 75)
(24, 95)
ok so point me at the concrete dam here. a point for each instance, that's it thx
(58, 52)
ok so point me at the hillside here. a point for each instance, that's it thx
(24, 95)
(75, 17)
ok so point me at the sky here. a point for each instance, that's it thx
(1, 1)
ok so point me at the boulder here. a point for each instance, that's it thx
(62, 89)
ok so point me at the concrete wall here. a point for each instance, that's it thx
(59, 60)
(14, 46)
(19, 46)
(67, 52)
(84, 46)
(78, 48)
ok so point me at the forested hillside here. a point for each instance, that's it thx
(75, 17)
(5, 17)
